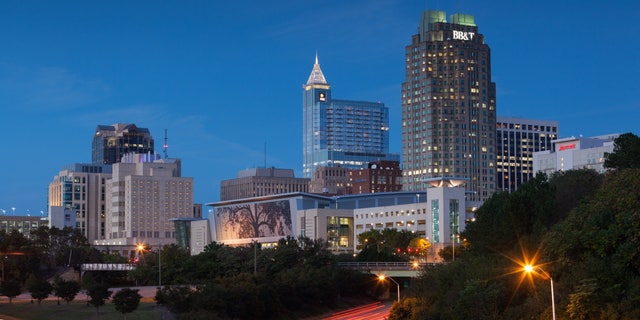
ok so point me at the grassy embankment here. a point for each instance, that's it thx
(76, 310)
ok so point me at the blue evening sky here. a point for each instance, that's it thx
(225, 77)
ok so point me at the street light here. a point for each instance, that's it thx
(382, 277)
(141, 248)
(160, 266)
(530, 269)
(453, 247)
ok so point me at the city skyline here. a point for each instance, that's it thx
(224, 78)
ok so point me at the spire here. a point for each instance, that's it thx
(316, 76)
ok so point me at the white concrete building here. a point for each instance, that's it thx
(79, 189)
(574, 153)
(438, 214)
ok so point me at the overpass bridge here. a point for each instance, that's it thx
(391, 269)
(105, 267)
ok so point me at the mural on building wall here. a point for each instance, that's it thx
(266, 219)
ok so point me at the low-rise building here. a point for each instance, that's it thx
(574, 153)
(437, 214)
(23, 224)
(257, 182)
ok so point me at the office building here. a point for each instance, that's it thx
(23, 224)
(449, 106)
(110, 143)
(142, 197)
(258, 182)
(330, 181)
(80, 189)
(439, 215)
(379, 176)
(517, 140)
(61, 217)
(439, 218)
(574, 153)
(345, 133)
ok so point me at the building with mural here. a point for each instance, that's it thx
(439, 214)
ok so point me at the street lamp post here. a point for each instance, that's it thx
(382, 277)
(453, 246)
(141, 248)
(529, 269)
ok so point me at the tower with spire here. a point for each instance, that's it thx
(341, 133)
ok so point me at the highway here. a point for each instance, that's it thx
(373, 311)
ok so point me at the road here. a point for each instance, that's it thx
(373, 311)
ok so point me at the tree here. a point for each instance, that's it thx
(10, 288)
(626, 152)
(406, 309)
(126, 300)
(66, 290)
(99, 294)
(419, 247)
(40, 289)
(596, 250)
(175, 298)
(386, 245)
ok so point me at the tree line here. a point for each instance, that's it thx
(580, 227)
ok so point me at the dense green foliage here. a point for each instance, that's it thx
(581, 227)
(10, 288)
(298, 276)
(65, 289)
(626, 152)
(98, 294)
(384, 245)
(40, 289)
(126, 300)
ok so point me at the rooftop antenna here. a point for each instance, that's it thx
(265, 154)
(165, 146)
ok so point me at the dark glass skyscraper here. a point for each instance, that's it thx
(449, 106)
(110, 143)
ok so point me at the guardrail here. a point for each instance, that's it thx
(382, 265)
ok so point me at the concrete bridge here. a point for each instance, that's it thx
(105, 267)
(391, 269)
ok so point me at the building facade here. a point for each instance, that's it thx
(112, 142)
(23, 224)
(330, 181)
(449, 106)
(80, 188)
(379, 176)
(517, 140)
(258, 182)
(574, 153)
(142, 196)
(439, 214)
(439, 219)
(344, 133)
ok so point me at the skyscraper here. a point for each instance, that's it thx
(449, 106)
(81, 189)
(110, 143)
(517, 140)
(141, 197)
(341, 133)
